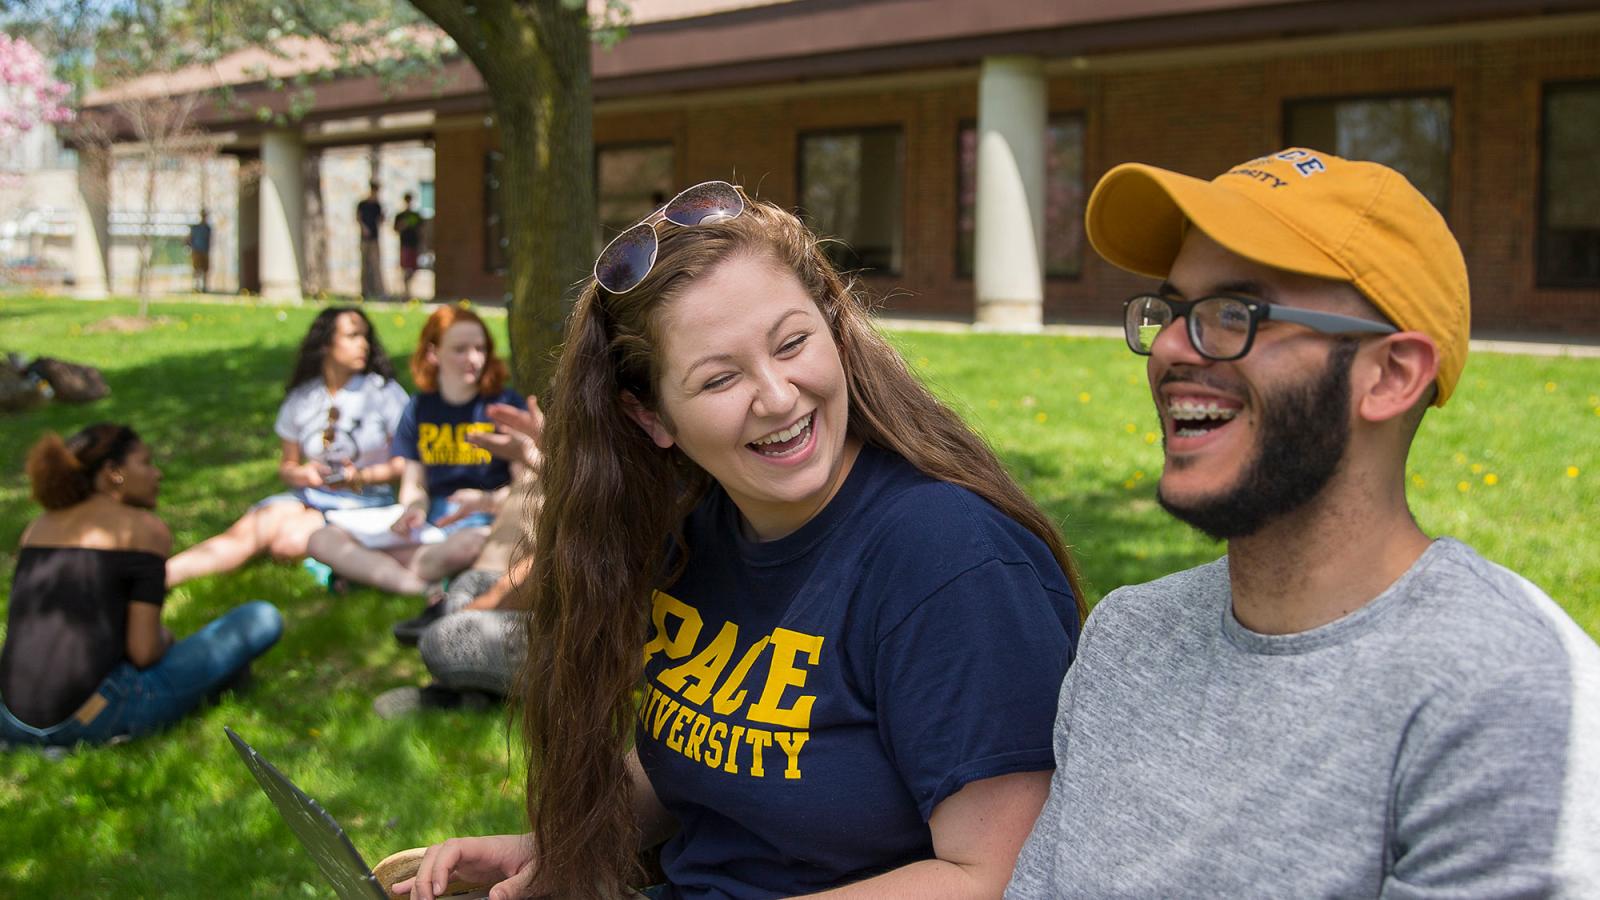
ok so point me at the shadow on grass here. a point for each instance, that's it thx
(1118, 536)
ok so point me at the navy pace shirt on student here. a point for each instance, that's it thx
(434, 433)
(810, 700)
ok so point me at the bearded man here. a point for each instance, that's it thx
(1342, 705)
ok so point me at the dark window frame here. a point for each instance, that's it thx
(1053, 117)
(1541, 199)
(1447, 94)
(896, 128)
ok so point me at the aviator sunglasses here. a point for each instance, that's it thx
(630, 255)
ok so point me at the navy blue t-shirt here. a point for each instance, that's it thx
(810, 700)
(434, 433)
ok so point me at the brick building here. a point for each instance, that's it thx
(950, 144)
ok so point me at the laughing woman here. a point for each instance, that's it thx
(853, 623)
(86, 658)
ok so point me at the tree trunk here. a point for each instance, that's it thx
(533, 56)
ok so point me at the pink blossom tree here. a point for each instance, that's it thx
(29, 96)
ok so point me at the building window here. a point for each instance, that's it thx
(494, 232)
(1569, 187)
(630, 182)
(1063, 197)
(1408, 134)
(850, 190)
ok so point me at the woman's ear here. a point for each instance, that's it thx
(649, 421)
(1404, 366)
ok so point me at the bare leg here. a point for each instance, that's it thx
(347, 557)
(435, 561)
(281, 527)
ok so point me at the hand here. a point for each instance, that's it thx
(312, 473)
(467, 501)
(413, 518)
(519, 434)
(476, 859)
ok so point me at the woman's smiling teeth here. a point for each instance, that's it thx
(1192, 418)
(782, 443)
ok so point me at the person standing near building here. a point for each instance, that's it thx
(408, 224)
(1342, 706)
(369, 215)
(199, 242)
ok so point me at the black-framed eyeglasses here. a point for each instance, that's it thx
(1222, 327)
(630, 255)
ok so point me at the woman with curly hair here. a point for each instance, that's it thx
(340, 409)
(86, 658)
(789, 614)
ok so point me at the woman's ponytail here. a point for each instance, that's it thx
(62, 471)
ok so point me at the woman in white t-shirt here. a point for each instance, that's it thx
(338, 416)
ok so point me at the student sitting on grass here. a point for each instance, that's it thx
(86, 658)
(448, 482)
(339, 414)
(473, 642)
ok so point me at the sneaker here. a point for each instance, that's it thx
(410, 631)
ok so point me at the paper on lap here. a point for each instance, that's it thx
(372, 527)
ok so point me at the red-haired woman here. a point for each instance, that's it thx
(448, 482)
(86, 658)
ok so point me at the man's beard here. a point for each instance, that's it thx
(1305, 430)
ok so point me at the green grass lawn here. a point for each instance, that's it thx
(1510, 466)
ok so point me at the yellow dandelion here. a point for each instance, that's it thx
(1594, 399)
(1463, 486)
(1491, 479)
(1039, 417)
(1460, 458)
(1130, 428)
(196, 317)
(1083, 397)
(1133, 379)
(922, 362)
(993, 403)
(1128, 485)
(1572, 471)
(1150, 437)
(1549, 387)
(400, 321)
(312, 732)
(1476, 468)
(1138, 475)
(76, 329)
(1419, 481)
(183, 326)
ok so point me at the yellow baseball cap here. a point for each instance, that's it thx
(1301, 211)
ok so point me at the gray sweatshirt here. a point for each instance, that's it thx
(1441, 741)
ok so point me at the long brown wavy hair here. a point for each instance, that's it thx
(614, 502)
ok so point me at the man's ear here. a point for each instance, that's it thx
(647, 420)
(1403, 367)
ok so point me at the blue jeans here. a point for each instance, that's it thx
(138, 701)
(439, 507)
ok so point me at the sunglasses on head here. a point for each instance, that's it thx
(632, 254)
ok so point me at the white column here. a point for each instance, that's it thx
(91, 232)
(282, 215)
(1008, 271)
